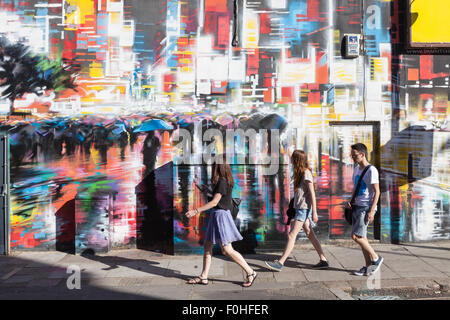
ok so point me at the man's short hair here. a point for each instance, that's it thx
(361, 148)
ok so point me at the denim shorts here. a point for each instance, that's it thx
(360, 219)
(302, 214)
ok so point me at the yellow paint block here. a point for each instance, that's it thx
(432, 23)
(96, 70)
(84, 8)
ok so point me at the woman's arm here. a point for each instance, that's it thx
(207, 206)
(312, 193)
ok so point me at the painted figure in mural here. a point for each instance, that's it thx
(221, 228)
(364, 207)
(304, 204)
(150, 151)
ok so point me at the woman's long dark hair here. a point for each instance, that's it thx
(222, 170)
(300, 163)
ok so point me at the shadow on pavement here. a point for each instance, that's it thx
(142, 265)
(26, 279)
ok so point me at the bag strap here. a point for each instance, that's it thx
(359, 183)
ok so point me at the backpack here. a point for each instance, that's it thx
(290, 212)
(235, 202)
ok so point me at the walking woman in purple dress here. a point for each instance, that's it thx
(221, 228)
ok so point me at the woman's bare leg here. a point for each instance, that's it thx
(312, 237)
(207, 257)
(229, 251)
(296, 226)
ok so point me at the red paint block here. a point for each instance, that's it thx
(264, 23)
(314, 98)
(223, 31)
(253, 63)
(426, 69)
(216, 6)
(287, 94)
(313, 10)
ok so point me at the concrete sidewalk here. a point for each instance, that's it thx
(409, 271)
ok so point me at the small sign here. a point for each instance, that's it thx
(351, 42)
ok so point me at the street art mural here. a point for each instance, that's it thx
(96, 148)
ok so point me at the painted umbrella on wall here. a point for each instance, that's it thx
(273, 121)
(153, 124)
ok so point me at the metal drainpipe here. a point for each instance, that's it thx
(363, 51)
(4, 196)
(235, 41)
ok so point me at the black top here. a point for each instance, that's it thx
(224, 189)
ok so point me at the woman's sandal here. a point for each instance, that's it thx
(198, 280)
(253, 274)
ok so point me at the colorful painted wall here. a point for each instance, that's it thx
(86, 172)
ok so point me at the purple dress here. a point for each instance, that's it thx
(221, 227)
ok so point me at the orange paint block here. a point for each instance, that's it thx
(413, 74)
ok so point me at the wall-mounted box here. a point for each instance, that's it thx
(351, 45)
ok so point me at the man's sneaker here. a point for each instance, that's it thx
(361, 272)
(274, 265)
(321, 265)
(375, 266)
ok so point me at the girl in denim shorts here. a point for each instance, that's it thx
(304, 204)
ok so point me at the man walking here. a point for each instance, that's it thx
(364, 207)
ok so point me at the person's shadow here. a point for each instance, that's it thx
(147, 266)
(290, 263)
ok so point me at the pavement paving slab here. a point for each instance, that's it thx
(308, 291)
(218, 285)
(233, 295)
(44, 283)
(342, 285)
(169, 292)
(232, 270)
(193, 267)
(7, 272)
(260, 285)
(295, 275)
(107, 282)
(341, 294)
(40, 259)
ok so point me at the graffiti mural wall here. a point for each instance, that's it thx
(108, 87)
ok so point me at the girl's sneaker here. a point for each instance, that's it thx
(361, 272)
(274, 265)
